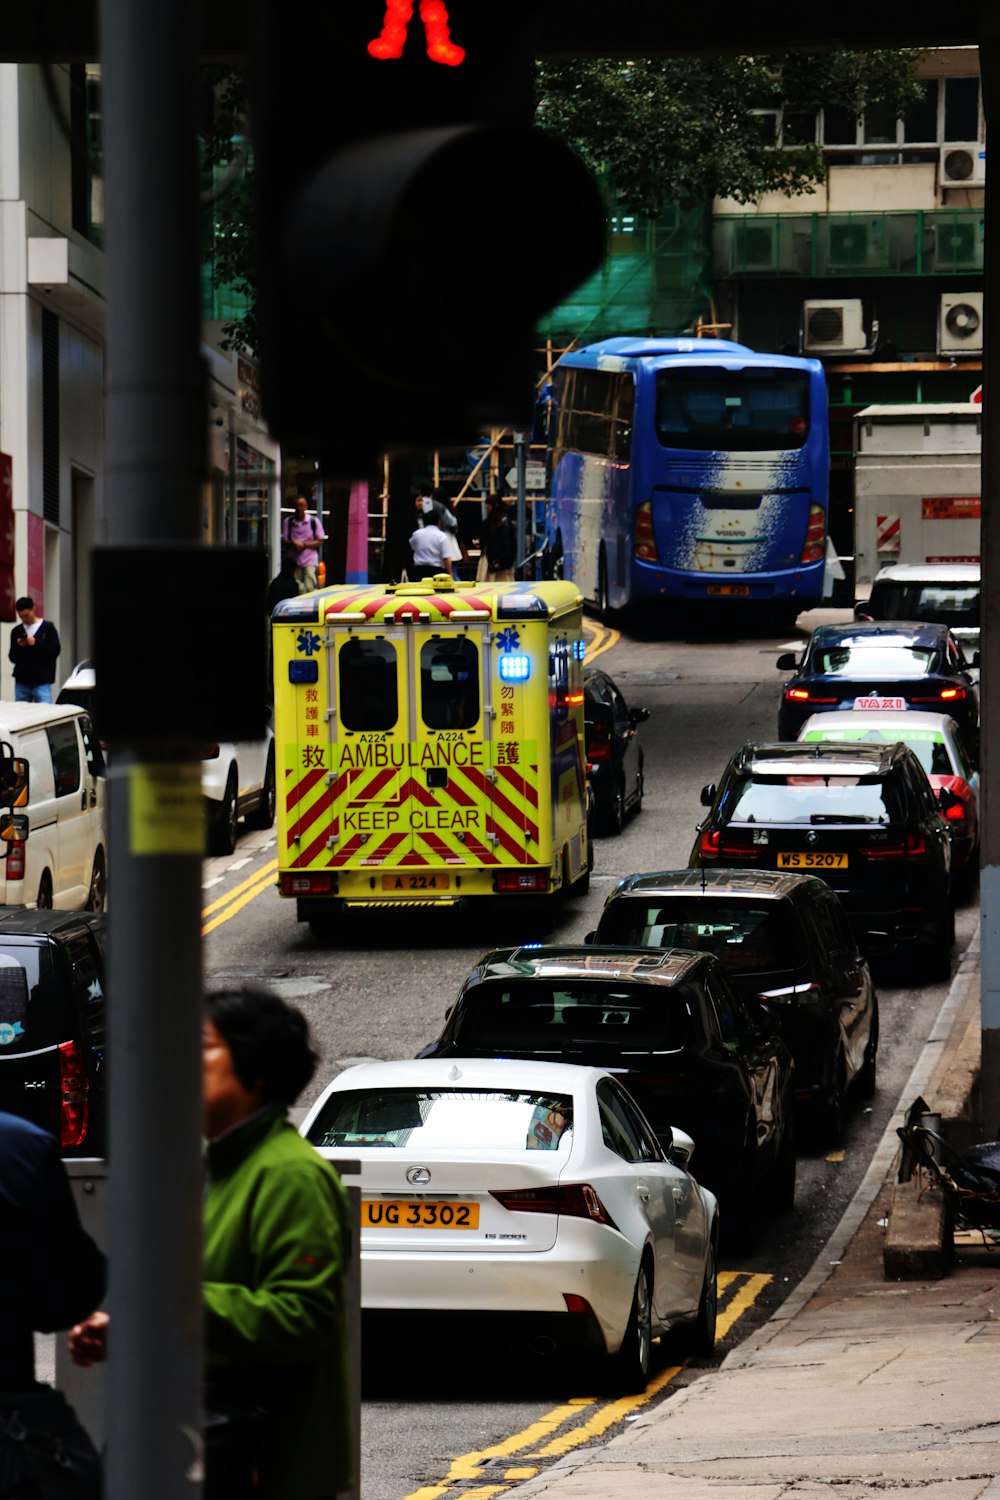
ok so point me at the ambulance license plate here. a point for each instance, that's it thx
(811, 859)
(389, 1213)
(416, 883)
(733, 590)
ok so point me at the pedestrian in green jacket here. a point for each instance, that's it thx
(275, 1243)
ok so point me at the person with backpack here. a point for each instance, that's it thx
(301, 535)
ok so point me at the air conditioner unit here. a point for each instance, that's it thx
(963, 164)
(756, 247)
(960, 323)
(853, 245)
(834, 327)
(958, 244)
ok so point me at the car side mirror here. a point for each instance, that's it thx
(877, 944)
(787, 662)
(681, 1147)
(448, 1012)
(975, 659)
(708, 794)
(947, 798)
(590, 937)
(861, 609)
(639, 715)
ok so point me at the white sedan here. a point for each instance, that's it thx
(531, 1193)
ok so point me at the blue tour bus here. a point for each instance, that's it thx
(687, 470)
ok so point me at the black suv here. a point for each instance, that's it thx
(52, 1025)
(690, 1051)
(862, 816)
(614, 755)
(783, 940)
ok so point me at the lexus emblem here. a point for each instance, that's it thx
(418, 1176)
(810, 837)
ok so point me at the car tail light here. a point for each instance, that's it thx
(710, 841)
(735, 851)
(913, 848)
(955, 813)
(210, 752)
(803, 695)
(575, 1200)
(15, 860)
(307, 885)
(645, 542)
(814, 547)
(945, 695)
(599, 744)
(74, 1096)
(521, 880)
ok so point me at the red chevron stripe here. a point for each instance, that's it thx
(479, 851)
(519, 784)
(313, 850)
(499, 800)
(300, 788)
(371, 791)
(386, 847)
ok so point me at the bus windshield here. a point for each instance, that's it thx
(748, 410)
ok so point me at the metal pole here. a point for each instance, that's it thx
(989, 1081)
(520, 460)
(155, 462)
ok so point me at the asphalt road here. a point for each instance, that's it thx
(440, 1418)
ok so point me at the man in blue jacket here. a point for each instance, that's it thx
(34, 650)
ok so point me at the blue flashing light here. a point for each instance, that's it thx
(579, 650)
(515, 668)
(303, 671)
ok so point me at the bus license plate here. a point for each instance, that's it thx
(385, 1213)
(811, 859)
(734, 590)
(415, 883)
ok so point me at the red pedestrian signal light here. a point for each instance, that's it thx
(434, 14)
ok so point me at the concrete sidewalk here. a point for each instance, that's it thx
(857, 1386)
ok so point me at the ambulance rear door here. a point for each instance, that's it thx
(453, 724)
(369, 744)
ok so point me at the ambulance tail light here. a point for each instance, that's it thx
(814, 546)
(520, 882)
(308, 885)
(15, 860)
(644, 546)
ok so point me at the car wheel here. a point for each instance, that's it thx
(868, 1073)
(741, 1202)
(829, 1117)
(640, 785)
(603, 603)
(96, 895)
(44, 899)
(222, 836)
(613, 813)
(631, 1363)
(263, 815)
(781, 1188)
(698, 1338)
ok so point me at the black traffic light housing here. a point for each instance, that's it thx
(412, 224)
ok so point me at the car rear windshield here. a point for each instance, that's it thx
(459, 1119)
(549, 1019)
(817, 797)
(954, 604)
(743, 934)
(34, 1011)
(731, 410)
(847, 660)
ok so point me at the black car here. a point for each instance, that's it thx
(614, 755)
(784, 940)
(880, 665)
(53, 1043)
(864, 817)
(688, 1048)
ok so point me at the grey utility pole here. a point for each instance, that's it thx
(989, 1078)
(155, 443)
(521, 461)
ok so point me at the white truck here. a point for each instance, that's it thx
(916, 485)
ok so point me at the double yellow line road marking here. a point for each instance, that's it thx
(543, 1441)
(600, 638)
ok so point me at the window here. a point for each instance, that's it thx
(649, 1146)
(729, 410)
(961, 109)
(369, 688)
(449, 683)
(616, 1126)
(92, 749)
(595, 412)
(32, 1003)
(88, 984)
(599, 1020)
(559, 680)
(64, 747)
(453, 1120)
(922, 122)
(813, 796)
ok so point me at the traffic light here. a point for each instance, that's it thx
(412, 225)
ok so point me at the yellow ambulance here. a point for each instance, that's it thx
(429, 745)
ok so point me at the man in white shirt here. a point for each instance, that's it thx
(431, 550)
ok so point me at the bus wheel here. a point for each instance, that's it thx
(603, 604)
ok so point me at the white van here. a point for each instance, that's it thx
(63, 862)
